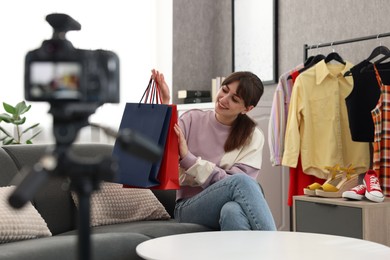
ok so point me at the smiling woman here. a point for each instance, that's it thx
(128, 30)
(220, 157)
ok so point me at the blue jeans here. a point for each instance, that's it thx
(234, 203)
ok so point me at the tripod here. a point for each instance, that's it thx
(85, 174)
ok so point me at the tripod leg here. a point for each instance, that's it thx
(84, 244)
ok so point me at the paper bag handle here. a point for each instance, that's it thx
(152, 93)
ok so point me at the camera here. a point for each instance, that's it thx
(57, 72)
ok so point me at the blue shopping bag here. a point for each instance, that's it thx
(152, 121)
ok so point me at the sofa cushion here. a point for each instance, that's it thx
(19, 224)
(150, 228)
(53, 201)
(113, 204)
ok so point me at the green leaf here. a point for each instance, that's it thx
(29, 128)
(5, 132)
(22, 108)
(37, 133)
(8, 141)
(6, 118)
(28, 142)
(19, 121)
(8, 108)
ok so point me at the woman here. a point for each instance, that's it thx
(220, 158)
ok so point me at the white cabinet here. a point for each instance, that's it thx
(337, 216)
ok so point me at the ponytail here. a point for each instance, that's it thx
(240, 132)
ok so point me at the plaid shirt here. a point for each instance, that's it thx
(381, 119)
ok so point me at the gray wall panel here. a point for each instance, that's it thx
(202, 46)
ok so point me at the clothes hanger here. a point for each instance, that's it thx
(310, 62)
(379, 50)
(317, 58)
(314, 61)
(376, 63)
(334, 56)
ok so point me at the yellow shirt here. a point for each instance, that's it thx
(317, 125)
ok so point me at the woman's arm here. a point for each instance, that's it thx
(204, 173)
(247, 160)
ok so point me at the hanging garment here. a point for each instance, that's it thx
(363, 99)
(381, 119)
(298, 180)
(279, 109)
(317, 127)
(278, 116)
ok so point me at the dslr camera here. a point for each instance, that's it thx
(57, 72)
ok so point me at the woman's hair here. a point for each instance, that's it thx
(250, 89)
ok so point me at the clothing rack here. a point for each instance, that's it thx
(307, 47)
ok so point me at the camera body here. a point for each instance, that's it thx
(57, 72)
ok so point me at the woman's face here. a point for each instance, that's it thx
(228, 104)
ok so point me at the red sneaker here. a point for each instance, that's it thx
(373, 188)
(356, 193)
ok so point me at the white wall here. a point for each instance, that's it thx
(140, 32)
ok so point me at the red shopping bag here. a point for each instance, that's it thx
(168, 172)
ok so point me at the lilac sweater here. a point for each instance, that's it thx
(206, 161)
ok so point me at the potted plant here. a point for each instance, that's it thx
(14, 116)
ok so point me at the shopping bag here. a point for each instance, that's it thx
(155, 122)
(168, 175)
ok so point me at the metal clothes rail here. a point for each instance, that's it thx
(307, 47)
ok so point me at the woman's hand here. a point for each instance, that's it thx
(183, 148)
(164, 89)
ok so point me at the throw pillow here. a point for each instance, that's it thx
(113, 204)
(19, 224)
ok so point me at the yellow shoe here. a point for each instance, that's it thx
(334, 173)
(311, 189)
(346, 181)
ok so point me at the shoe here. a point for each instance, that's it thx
(334, 174)
(311, 189)
(335, 189)
(356, 193)
(373, 188)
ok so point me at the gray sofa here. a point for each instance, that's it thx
(117, 241)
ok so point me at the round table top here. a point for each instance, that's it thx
(257, 245)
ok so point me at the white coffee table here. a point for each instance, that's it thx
(272, 245)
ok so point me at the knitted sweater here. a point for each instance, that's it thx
(206, 161)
